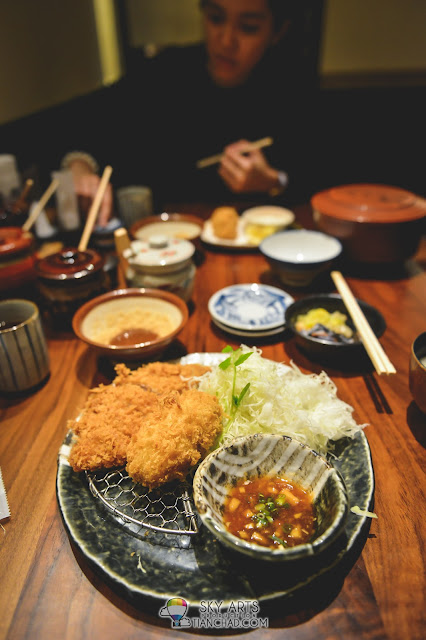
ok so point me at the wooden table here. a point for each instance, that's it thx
(47, 590)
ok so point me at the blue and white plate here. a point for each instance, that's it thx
(250, 307)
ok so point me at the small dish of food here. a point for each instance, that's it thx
(172, 225)
(270, 497)
(131, 324)
(323, 328)
(261, 222)
(224, 228)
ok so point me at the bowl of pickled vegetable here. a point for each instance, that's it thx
(323, 328)
(270, 497)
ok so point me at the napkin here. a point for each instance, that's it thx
(4, 506)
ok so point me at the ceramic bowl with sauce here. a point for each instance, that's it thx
(275, 457)
(131, 324)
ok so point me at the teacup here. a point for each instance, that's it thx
(417, 373)
(24, 359)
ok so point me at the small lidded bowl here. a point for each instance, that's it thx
(131, 324)
(162, 262)
(417, 373)
(67, 279)
(271, 455)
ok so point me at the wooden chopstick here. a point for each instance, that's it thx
(258, 144)
(93, 212)
(40, 205)
(377, 355)
(122, 242)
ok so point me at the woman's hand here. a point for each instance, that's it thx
(86, 184)
(246, 171)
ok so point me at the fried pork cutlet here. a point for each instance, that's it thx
(110, 417)
(160, 377)
(173, 438)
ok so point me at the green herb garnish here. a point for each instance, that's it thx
(235, 360)
(277, 539)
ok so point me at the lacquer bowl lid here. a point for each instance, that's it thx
(374, 203)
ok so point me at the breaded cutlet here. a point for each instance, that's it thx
(110, 417)
(160, 377)
(173, 438)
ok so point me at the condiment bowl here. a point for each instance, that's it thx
(258, 455)
(324, 349)
(131, 324)
(298, 256)
(172, 225)
(417, 373)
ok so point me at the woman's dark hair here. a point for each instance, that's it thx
(281, 10)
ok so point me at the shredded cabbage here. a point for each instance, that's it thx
(278, 399)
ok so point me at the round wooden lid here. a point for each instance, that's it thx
(374, 203)
(70, 264)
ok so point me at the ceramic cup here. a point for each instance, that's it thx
(24, 359)
(134, 203)
(417, 373)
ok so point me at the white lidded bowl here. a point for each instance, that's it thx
(298, 256)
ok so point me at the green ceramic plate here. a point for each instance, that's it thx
(144, 565)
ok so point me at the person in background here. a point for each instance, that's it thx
(241, 84)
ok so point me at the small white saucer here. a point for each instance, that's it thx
(250, 307)
(249, 334)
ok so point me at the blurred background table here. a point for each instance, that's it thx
(47, 588)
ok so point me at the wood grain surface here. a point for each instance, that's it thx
(47, 589)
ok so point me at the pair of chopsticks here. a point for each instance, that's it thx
(91, 217)
(377, 355)
(258, 144)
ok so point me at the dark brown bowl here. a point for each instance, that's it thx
(375, 223)
(97, 310)
(324, 350)
(417, 374)
(179, 225)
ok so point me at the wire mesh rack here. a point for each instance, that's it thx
(168, 510)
